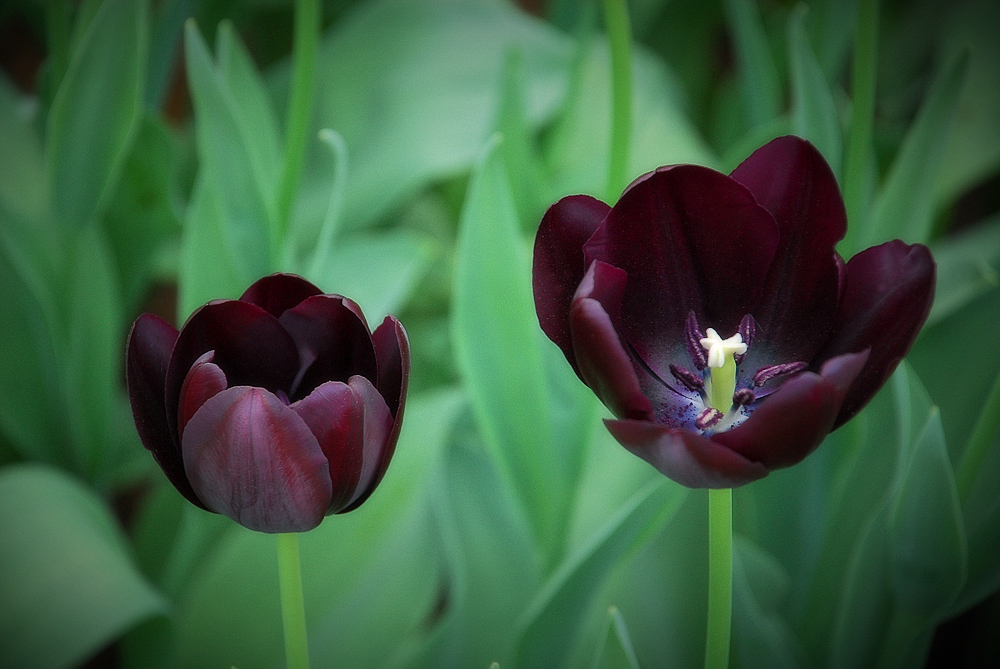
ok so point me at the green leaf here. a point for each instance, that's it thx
(207, 270)
(496, 340)
(550, 626)
(23, 186)
(95, 111)
(758, 76)
(905, 207)
(94, 354)
(576, 150)
(70, 586)
(616, 651)
(968, 265)
(814, 113)
(378, 270)
(232, 149)
(761, 635)
(926, 530)
(411, 112)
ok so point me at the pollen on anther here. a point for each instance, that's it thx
(743, 396)
(708, 418)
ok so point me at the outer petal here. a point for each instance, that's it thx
(888, 292)
(790, 423)
(559, 265)
(352, 423)
(205, 380)
(250, 457)
(249, 343)
(688, 458)
(147, 357)
(604, 364)
(689, 238)
(790, 178)
(278, 293)
(333, 342)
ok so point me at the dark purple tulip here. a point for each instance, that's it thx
(712, 315)
(276, 409)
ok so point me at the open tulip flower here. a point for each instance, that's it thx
(276, 409)
(712, 315)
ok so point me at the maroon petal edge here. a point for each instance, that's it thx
(278, 293)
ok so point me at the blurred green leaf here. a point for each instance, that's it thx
(616, 651)
(140, 217)
(413, 88)
(758, 76)
(905, 207)
(70, 586)
(378, 270)
(496, 340)
(23, 187)
(206, 270)
(968, 265)
(761, 635)
(926, 530)
(550, 626)
(814, 113)
(95, 111)
(94, 352)
(576, 149)
(233, 145)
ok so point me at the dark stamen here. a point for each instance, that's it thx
(692, 339)
(743, 397)
(690, 380)
(282, 396)
(747, 330)
(765, 374)
(708, 418)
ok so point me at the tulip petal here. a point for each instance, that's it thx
(333, 342)
(690, 239)
(790, 178)
(148, 356)
(249, 343)
(205, 380)
(888, 292)
(352, 424)
(253, 459)
(688, 458)
(790, 423)
(604, 365)
(559, 264)
(278, 293)
(392, 347)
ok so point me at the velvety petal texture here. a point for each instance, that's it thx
(636, 295)
(275, 409)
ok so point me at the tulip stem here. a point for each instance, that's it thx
(304, 45)
(293, 611)
(620, 38)
(720, 578)
(859, 144)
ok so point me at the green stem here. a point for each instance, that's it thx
(293, 612)
(979, 443)
(720, 578)
(859, 144)
(305, 41)
(620, 37)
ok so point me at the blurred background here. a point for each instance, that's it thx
(141, 148)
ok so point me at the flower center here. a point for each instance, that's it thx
(722, 363)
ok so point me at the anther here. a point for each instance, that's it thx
(743, 397)
(708, 418)
(747, 330)
(765, 374)
(690, 380)
(692, 339)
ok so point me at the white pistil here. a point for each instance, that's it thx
(719, 349)
(722, 362)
